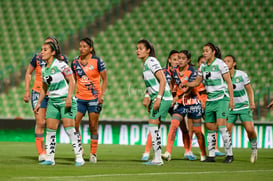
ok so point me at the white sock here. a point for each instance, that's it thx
(156, 141)
(50, 144)
(211, 139)
(253, 143)
(227, 140)
(75, 141)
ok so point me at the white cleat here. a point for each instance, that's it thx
(202, 158)
(42, 157)
(93, 158)
(145, 156)
(166, 156)
(254, 156)
(154, 163)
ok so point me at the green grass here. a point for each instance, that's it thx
(18, 161)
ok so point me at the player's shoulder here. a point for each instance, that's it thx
(191, 68)
(75, 59)
(151, 60)
(241, 72)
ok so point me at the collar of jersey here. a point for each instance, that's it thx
(211, 62)
(51, 64)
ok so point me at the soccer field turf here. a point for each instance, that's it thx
(116, 162)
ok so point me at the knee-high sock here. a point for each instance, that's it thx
(211, 139)
(75, 140)
(148, 143)
(156, 141)
(253, 143)
(216, 141)
(40, 145)
(200, 139)
(50, 144)
(227, 140)
(94, 144)
(172, 134)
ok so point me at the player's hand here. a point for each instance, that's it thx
(156, 104)
(270, 106)
(68, 103)
(252, 106)
(182, 85)
(146, 101)
(231, 104)
(100, 99)
(26, 96)
(174, 100)
(203, 105)
(37, 107)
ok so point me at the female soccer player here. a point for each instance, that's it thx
(88, 69)
(159, 92)
(243, 108)
(186, 104)
(219, 89)
(36, 64)
(58, 80)
(172, 62)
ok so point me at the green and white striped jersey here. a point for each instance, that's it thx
(214, 82)
(54, 77)
(150, 67)
(239, 80)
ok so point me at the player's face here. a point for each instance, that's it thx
(229, 61)
(141, 51)
(84, 48)
(208, 53)
(182, 60)
(46, 52)
(201, 61)
(174, 60)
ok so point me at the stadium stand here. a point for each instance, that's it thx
(239, 27)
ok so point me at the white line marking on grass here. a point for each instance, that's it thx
(139, 174)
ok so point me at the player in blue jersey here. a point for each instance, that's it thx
(244, 104)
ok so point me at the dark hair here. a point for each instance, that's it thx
(148, 45)
(199, 58)
(56, 43)
(217, 50)
(53, 47)
(188, 55)
(234, 60)
(170, 54)
(90, 42)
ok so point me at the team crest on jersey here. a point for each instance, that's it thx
(237, 80)
(186, 78)
(213, 68)
(91, 67)
(52, 71)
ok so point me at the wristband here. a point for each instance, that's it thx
(159, 96)
(147, 95)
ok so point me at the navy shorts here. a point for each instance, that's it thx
(89, 105)
(192, 111)
(34, 99)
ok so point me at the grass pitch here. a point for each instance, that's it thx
(18, 161)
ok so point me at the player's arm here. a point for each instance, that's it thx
(194, 83)
(227, 78)
(162, 83)
(250, 96)
(103, 75)
(146, 100)
(28, 74)
(270, 105)
(71, 88)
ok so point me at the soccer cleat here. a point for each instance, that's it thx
(42, 157)
(218, 153)
(145, 157)
(46, 162)
(156, 163)
(202, 158)
(254, 156)
(93, 158)
(189, 156)
(228, 159)
(79, 163)
(166, 156)
(209, 159)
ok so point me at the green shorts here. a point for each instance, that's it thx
(244, 115)
(162, 112)
(216, 110)
(56, 109)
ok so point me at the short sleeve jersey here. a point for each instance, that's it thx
(215, 85)
(88, 77)
(38, 63)
(239, 80)
(54, 77)
(150, 67)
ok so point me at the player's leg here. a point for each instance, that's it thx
(247, 120)
(93, 127)
(200, 137)
(81, 110)
(146, 154)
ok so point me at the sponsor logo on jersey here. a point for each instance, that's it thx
(91, 67)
